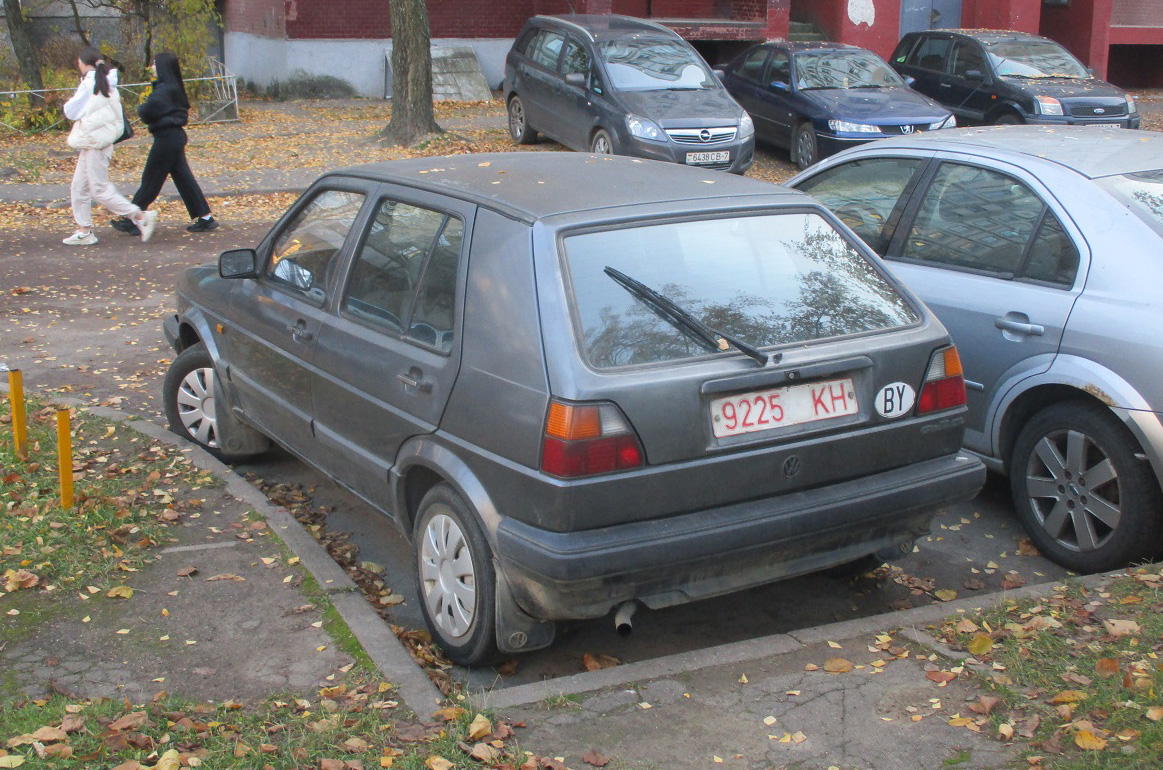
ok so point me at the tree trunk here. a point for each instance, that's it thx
(413, 117)
(25, 53)
(77, 24)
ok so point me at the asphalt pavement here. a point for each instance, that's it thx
(86, 324)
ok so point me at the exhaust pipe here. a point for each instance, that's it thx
(623, 616)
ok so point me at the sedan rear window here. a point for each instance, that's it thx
(1142, 193)
(766, 280)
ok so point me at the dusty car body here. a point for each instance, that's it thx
(576, 381)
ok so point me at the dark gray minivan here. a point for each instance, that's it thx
(623, 86)
(580, 382)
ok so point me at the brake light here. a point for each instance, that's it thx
(588, 439)
(944, 386)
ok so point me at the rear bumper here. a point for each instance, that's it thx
(584, 574)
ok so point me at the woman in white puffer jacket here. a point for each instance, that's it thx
(96, 109)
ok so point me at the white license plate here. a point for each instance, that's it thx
(1104, 125)
(781, 407)
(722, 156)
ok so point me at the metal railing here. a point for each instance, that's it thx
(224, 106)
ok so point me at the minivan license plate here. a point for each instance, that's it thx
(722, 156)
(780, 407)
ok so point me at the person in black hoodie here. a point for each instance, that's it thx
(165, 113)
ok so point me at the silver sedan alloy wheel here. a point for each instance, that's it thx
(195, 401)
(448, 576)
(1074, 490)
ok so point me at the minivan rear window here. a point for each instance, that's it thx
(767, 280)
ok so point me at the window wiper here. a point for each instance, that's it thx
(868, 85)
(670, 311)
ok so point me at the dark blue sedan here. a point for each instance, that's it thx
(819, 98)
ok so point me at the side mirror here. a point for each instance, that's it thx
(576, 79)
(780, 87)
(720, 73)
(910, 81)
(238, 263)
(974, 75)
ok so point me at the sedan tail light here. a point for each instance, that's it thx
(944, 386)
(588, 439)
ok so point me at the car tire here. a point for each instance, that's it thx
(601, 143)
(519, 128)
(189, 393)
(805, 148)
(1083, 496)
(1008, 119)
(457, 583)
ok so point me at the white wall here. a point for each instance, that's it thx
(361, 63)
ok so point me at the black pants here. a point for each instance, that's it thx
(167, 157)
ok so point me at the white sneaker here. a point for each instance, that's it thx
(80, 239)
(147, 225)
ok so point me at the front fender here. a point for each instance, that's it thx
(1102, 384)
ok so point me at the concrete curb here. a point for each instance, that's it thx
(768, 647)
(373, 634)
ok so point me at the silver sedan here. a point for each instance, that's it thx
(1041, 250)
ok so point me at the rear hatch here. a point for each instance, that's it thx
(837, 355)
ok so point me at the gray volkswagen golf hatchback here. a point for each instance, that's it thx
(624, 86)
(576, 382)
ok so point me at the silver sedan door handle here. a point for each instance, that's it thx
(299, 333)
(1030, 330)
(424, 386)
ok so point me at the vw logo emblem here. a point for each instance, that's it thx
(705, 135)
(1099, 111)
(791, 466)
(907, 129)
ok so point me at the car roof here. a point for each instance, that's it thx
(989, 35)
(608, 26)
(798, 46)
(1092, 152)
(533, 185)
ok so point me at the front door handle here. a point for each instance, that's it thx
(1017, 327)
(299, 332)
(414, 379)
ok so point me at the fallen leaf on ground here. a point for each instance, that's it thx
(480, 727)
(838, 666)
(1119, 627)
(597, 662)
(1088, 741)
(980, 644)
(592, 757)
(945, 594)
(940, 677)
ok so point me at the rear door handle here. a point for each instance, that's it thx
(1017, 327)
(299, 332)
(413, 379)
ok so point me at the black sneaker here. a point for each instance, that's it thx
(125, 225)
(203, 225)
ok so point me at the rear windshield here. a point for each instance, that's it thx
(844, 69)
(766, 280)
(642, 64)
(1033, 59)
(1142, 193)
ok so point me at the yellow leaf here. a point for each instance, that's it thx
(120, 592)
(1006, 731)
(835, 646)
(1088, 741)
(1121, 627)
(1155, 713)
(980, 644)
(798, 737)
(485, 753)
(945, 594)
(438, 762)
(1068, 696)
(480, 727)
(966, 626)
(837, 666)
(11, 761)
(960, 721)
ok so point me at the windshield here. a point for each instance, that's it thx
(1033, 59)
(1142, 193)
(844, 69)
(764, 280)
(643, 64)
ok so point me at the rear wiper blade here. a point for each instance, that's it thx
(668, 310)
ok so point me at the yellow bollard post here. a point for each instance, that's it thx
(65, 458)
(19, 418)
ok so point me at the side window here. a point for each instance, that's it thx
(864, 193)
(966, 57)
(305, 250)
(974, 218)
(405, 270)
(1053, 256)
(930, 54)
(576, 61)
(752, 66)
(546, 49)
(779, 71)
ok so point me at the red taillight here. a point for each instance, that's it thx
(584, 440)
(944, 386)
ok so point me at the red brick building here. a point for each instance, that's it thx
(268, 40)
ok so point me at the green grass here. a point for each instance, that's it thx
(1079, 674)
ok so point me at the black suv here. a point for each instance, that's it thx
(999, 76)
(618, 85)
